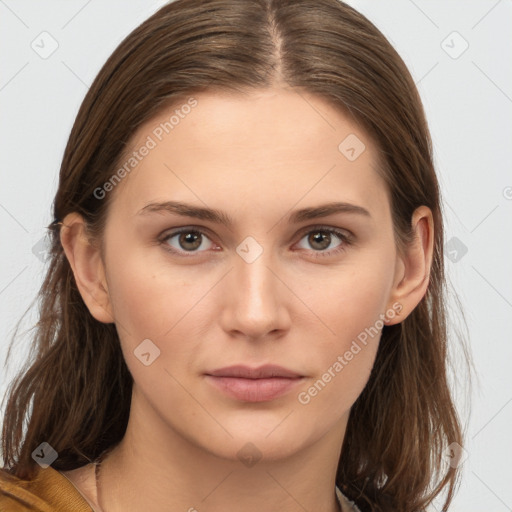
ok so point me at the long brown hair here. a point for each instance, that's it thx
(75, 392)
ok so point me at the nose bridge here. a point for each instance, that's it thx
(257, 283)
(257, 304)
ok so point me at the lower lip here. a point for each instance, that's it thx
(254, 390)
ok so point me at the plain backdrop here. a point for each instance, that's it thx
(460, 55)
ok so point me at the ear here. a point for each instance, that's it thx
(412, 272)
(87, 265)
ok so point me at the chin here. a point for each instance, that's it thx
(251, 444)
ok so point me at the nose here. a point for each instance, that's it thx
(255, 299)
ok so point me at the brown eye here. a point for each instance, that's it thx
(319, 240)
(190, 241)
(187, 240)
(322, 241)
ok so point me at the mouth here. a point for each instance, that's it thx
(247, 384)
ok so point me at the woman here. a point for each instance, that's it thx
(244, 308)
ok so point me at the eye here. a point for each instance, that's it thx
(322, 238)
(187, 241)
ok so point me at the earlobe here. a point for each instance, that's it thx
(412, 272)
(87, 266)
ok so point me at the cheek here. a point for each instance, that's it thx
(150, 297)
(150, 303)
(350, 299)
(155, 303)
(344, 360)
(352, 309)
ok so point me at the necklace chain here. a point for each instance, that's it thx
(97, 468)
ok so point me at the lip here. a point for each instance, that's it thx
(248, 384)
(261, 372)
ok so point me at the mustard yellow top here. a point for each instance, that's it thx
(48, 491)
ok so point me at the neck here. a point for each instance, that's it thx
(155, 468)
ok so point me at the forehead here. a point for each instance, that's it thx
(274, 145)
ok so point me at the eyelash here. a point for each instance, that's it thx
(345, 239)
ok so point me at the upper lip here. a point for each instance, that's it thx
(261, 372)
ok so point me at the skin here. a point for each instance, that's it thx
(258, 158)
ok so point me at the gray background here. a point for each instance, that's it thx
(467, 94)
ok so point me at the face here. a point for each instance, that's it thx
(247, 235)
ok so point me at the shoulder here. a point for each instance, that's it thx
(48, 491)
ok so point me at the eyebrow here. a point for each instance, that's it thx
(220, 217)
